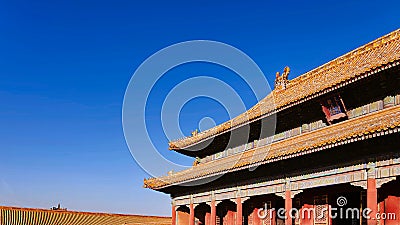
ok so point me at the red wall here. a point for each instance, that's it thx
(391, 205)
(183, 218)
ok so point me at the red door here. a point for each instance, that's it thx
(391, 215)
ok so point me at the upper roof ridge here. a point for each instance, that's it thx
(379, 52)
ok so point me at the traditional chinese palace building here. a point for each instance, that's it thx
(336, 137)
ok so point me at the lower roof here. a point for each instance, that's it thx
(382, 122)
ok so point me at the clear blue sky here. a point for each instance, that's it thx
(64, 67)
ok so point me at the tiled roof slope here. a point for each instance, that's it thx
(25, 216)
(380, 52)
(371, 125)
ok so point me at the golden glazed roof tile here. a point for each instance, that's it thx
(336, 72)
(13, 215)
(355, 129)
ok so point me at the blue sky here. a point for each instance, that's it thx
(65, 65)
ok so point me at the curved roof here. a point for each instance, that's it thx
(318, 81)
(382, 122)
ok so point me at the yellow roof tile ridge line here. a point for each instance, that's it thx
(376, 114)
(293, 83)
(74, 212)
(387, 38)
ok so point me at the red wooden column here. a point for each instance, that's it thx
(372, 200)
(273, 217)
(239, 213)
(256, 218)
(207, 218)
(191, 216)
(231, 217)
(173, 214)
(213, 213)
(288, 207)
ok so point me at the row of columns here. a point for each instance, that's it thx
(372, 204)
(213, 215)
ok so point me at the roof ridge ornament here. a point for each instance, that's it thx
(282, 81)
(195, 132)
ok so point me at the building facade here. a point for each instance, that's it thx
(332, 157)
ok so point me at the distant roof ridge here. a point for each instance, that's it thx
(75, 212)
